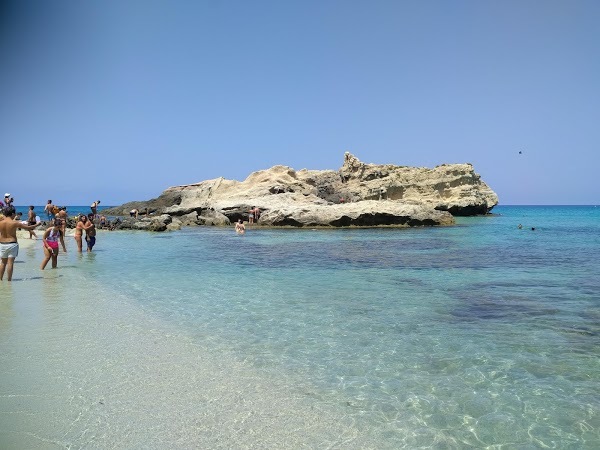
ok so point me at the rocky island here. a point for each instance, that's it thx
(358, 194)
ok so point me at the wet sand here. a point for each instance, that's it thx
(80, 368)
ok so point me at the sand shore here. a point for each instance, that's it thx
(81, 365)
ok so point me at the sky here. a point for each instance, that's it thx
(118, 100)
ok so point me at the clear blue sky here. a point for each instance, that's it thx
(119, 99)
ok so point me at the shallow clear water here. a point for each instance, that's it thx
(476, 335)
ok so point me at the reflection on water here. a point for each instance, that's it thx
(52, 286)
(6, 306)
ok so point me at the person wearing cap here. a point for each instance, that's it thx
(9, 247)
(8, 199)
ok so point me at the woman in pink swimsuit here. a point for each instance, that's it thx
(52, 236)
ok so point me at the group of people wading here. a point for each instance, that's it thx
(52, 239)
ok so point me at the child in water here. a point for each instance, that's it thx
(51, 238)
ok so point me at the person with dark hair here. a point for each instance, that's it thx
(52, 236)
(90, 232)
(31, 220)
(9, 247)
(239, 227)
(79, 227)
(49, 208)
(63, 216)
(94, 208)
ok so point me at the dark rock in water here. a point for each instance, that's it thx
(157, 223)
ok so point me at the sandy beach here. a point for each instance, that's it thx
(78, 370)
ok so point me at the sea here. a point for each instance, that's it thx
(72, 211)
(485, 334)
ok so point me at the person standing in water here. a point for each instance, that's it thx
(79, 227)
(9, 247)
(52, 236)
(90, 232)
(62, 215)
(49, 208)
(31, 221)
(239, 227)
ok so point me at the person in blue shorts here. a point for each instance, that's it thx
(90, 232)
(49, 208)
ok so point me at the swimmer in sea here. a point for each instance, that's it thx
(239, 227)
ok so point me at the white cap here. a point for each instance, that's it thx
(6, 195)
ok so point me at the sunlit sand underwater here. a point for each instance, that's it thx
(473, 336)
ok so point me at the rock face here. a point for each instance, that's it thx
(357, 194)
(449, 187)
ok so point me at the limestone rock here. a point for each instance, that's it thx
(357, 194)
(158, 223)
(367, 213)
(449, 187)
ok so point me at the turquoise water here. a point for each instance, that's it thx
(71, 210)
(472, 336)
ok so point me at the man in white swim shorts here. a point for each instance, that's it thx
(9, 247)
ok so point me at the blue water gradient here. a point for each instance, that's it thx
(468, 336)
(472, 336)
(72, 211)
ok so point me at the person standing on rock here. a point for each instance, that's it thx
(94, 208)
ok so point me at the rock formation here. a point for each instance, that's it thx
(357, 194)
